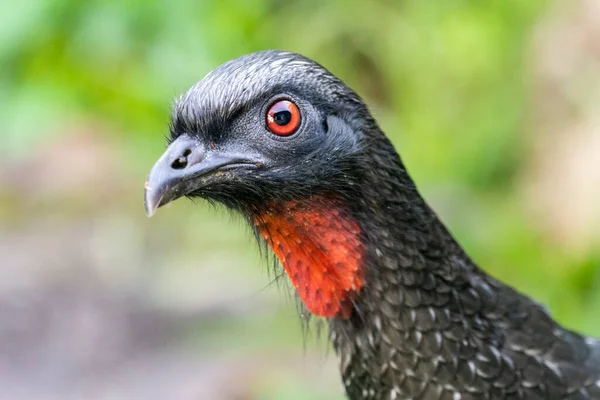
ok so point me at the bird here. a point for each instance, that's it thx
(277, 138)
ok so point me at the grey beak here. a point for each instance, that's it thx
(179, 171)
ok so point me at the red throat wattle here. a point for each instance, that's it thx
(320, 249)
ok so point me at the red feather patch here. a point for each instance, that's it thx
(320, 249)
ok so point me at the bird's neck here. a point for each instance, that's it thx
(381, 266)
(337, 249)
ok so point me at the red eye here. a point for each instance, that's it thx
(283, 118)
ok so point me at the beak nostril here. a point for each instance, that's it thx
(181, 161)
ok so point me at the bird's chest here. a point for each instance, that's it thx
(380, 361)
(384, 360)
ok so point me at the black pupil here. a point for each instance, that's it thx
(282, 117)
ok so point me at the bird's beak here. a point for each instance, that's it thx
(187, 165)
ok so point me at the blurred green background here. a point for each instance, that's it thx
(492, 104)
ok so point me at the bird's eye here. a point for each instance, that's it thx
(283, 118)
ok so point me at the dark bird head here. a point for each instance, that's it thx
(278, 138)
(266, 126)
